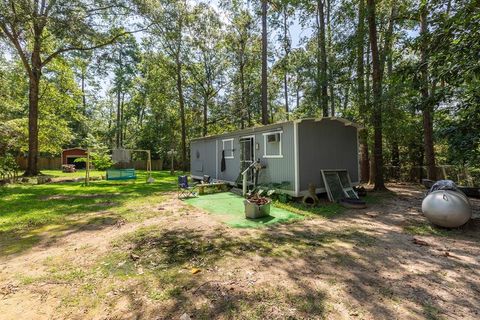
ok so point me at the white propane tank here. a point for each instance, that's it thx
(447, 208)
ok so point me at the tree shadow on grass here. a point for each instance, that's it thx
(168, 256)
(15, 242)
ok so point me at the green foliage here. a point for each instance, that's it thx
(100, 159)
(129, 89)
(8, 167)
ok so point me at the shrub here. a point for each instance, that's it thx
(8, 167)
(101, 161)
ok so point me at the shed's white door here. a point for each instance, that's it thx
(247, 154)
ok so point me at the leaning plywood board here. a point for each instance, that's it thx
(338, 185)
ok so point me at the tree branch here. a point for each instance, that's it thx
(14, 39)
(75, 48)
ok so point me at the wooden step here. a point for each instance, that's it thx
(237, 191)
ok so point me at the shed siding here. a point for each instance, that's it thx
(232, 166)
(277, 170)
(204, 164)
(326, 145)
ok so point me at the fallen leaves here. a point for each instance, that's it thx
(134, 256)
(195, 270)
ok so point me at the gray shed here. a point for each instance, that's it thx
(292, 153)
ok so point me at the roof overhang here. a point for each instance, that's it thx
(345, 122)
(255, 129)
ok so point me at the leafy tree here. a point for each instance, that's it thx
(169, 21)
(207, 62)
(40, 31)
(264, 63)
(377, 97)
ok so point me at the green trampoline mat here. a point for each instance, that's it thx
(229, 209)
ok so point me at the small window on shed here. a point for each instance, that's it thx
(272, 142)
(228, 148)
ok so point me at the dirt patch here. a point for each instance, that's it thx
(365, 264)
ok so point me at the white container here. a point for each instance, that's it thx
(447, 208)
(254, 211)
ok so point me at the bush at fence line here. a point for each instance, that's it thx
(8, 168)
(100, 161)
(475, 174)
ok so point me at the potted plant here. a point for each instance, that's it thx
(257, 206)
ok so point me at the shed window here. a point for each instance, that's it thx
(228, 148)
(272, 144)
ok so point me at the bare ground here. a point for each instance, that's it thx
(384, 262)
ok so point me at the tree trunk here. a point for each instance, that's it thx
(330, 61)
(34, 84)
(377, 97)
(297, 95)
(181, 103)
(287, 50)
(427, 106)
(363, 136)
(388, 40)
(119, 109)
(395, 156)
(264, 64)
(368, 104)
(119, 120)
(346, 97)
(123, 129)
(205, 116)
(84, 97)
(394, 147)
(33, 97)
(372, 167)
(322, 63)
(244, 109)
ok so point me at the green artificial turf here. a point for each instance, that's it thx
(229, 208)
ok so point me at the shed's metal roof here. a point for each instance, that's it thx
(274, 125)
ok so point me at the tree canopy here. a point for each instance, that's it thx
(77, 73)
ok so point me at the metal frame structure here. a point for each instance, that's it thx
(149, 163)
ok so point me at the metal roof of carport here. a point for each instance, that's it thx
(266, 127)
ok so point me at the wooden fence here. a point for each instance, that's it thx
(44, 163)
(49, 163)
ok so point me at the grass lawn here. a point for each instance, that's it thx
(26, 211)
(77, 174)
(125, 250)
